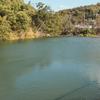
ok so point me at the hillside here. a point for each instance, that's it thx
(15, 16)
(20, 20)
(84, 19)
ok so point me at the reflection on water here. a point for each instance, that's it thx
(94, 74)
(65, 68)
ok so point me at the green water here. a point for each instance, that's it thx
(62, 68)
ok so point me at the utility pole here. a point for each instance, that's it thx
(84, 19)
(70, 21)
(93, 16)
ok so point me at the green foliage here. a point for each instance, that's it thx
(4, 29)
(17, 16)
(88, 31)
(53, 25)
(43, 17)
(22, 20)
(40, 5)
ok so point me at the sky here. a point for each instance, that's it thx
(63, 4)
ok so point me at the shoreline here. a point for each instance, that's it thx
(31, 35)
(95, 36)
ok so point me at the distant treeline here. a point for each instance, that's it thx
(16, 18)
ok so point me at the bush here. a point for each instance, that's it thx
(23, 21)
(88, 31)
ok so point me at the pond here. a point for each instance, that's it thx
(57, 68)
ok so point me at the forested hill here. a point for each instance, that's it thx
(20, 20)
(15, 15)
(81, 20)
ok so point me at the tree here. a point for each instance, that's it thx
(42, 15)
(5, 28)
(54, 25)
(22, 20)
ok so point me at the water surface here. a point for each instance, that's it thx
(61, 68)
